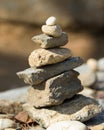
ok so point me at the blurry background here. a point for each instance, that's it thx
(83, 20)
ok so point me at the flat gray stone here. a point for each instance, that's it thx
(46, 41)
(79, 108)
(35, 76)
(41, 57)
(55, 90)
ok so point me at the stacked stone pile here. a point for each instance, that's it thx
(52, 95)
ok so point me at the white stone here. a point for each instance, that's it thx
(87, 75)
(54, 30)
(68, 125)
(51, 21)
(101, 64)
(92, 63)
(6, 123)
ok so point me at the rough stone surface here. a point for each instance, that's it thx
(87, 76)
(41, 57)
(54, 31)
(55, 90)
(51, 21)
(46, 41)
(68, 125)
(35, 76)
(78, 108)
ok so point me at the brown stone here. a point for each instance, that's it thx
(41, 57)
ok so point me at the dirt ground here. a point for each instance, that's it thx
(16, 45)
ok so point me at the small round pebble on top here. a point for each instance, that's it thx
(54, 30)
(51, 21)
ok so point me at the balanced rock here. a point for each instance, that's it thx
(41, 57)
(68, 125)
(51, 21)
(46, 41)
(79, 108)
(54, 30)
(55, 90)
(34, 76)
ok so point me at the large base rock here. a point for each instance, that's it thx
(78, 108)
(55, 90)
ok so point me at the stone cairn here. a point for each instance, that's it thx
(53, 94)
